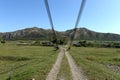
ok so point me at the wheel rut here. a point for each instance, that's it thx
(77, 73)
(52, 75)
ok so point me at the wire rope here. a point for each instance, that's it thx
(51, 21)
(77, 22)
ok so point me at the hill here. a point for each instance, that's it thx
(43, 34)
(85, 34)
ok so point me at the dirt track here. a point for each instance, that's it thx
(52, 75)
(76, 72)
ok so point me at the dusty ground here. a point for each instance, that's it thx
(77, 73)
(52, 75)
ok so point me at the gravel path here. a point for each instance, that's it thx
(76, 72)
(52, 75)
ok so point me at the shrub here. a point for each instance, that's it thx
(2, 41)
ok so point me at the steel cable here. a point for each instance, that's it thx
(50, 19)
(77, 22)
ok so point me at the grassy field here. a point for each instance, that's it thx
(64, 73)
(28, 62)
(25, 62)
(98, 63)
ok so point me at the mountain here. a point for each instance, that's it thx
(29, 33)
(85, 34)
(43, 34)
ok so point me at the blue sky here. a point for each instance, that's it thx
(98, 15)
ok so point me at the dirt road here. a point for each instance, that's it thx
(77, 73)
(52, 75)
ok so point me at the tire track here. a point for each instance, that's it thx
(77, 73)
(52, 75)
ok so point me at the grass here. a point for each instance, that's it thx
(25, 62)
(64, 72)
(98, 63)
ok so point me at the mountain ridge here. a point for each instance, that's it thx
(40, 33)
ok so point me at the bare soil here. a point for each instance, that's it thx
(52, 75)
(77, 73)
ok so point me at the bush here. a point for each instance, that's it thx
(36, 43)
(2, 41)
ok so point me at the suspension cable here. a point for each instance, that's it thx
(50, 19)
(77, 21)
(76, 24)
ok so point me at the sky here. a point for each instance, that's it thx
(98, 15)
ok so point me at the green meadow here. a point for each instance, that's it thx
(25, 62)
(19, 62)
(98, 63)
